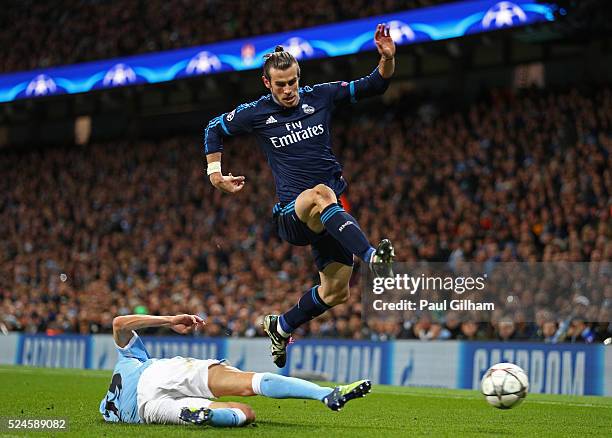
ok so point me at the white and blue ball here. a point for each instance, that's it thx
(505, 385)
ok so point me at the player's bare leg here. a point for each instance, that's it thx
(225, 380)
(318, 208)
(334, 288)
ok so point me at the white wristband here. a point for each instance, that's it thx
(213, 167)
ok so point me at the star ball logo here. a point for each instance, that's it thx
(118, 75)
(203, 62)
(299, 47)
(400, 32)
(41, 85)
(503, 14)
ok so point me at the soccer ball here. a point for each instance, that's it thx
(504, 385)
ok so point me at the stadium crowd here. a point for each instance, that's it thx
(114, 228)
(36, 34)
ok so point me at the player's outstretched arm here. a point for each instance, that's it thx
(374, 84)
(225, 183)
(238, 121)
(386, 48)
(123, 325)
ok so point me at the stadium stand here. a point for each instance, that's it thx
(136, 227)
(43, 34)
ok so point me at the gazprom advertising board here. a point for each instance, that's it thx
(569, 369)
(104, 353)
(341, 361)
(63, 351)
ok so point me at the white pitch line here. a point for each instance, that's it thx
(465, 397)
(56, 371)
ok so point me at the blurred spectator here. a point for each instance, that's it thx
(580, 332)
(36, 34)
(451, 327)
(524, 329)
(547, 327)
(86, 233)
(470, 331)
(506, 329)
(603, 327)
(548, 331)
(425, 329)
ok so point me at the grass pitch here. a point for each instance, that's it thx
(387, 411)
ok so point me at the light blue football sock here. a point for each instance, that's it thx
(227, 417)
(275, 386)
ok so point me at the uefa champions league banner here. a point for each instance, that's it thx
(569, 369)
(608, 372)
(340, 361)
(98, 351)
(8, 349)
(61, 351)
(428, 364)
(251, 354)
(416, 26)
(104, 353)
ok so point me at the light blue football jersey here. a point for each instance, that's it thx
(120, 403)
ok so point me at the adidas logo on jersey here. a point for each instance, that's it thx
(271, 119)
